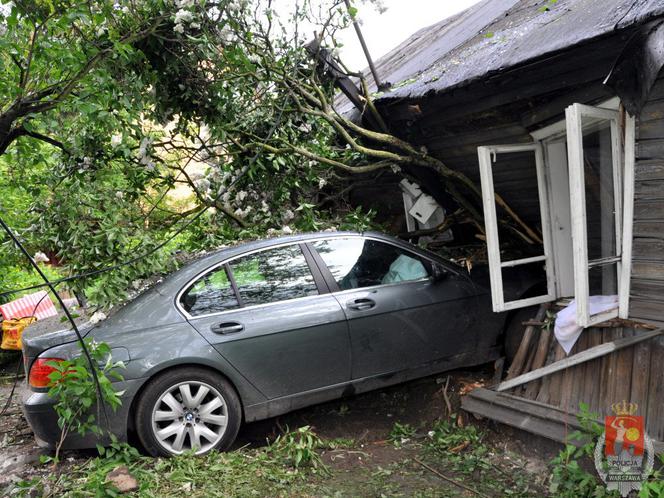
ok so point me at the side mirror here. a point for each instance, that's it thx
(438, 273)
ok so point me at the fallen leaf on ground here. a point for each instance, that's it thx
(122, 479)
(467, 387)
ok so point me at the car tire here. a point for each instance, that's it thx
(187, 409)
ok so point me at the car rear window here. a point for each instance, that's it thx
(211, 293)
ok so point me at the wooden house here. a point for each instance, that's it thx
(558, 107)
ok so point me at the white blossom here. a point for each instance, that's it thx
(227, 35)
(182, 16)
(179, 28)
(116, 140)
(322, 182)
(99, 316)
(202, 184)
(241, 195)
(380, 6)
(40, 257)
(287, 215)
(119, 195)
(286, 230)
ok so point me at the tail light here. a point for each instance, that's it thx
(40, 371)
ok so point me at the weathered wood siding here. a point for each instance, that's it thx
(647, 286)
(633, 374)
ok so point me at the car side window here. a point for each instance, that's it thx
(356, 262)
(273, 275)
(211, 293)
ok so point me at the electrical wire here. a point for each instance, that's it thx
(18, 365)
(86, 352)
(51, 284)
(189, 222)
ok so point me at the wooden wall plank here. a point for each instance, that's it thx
(641, 376)
(648, 249)
(654, 415)
(652, 169)
(578, 372)
(592, 380)
(646, 295)
(651, 270)
(651, 208)
(646, 309)
(624, 366)
(607, 372)
(553, 395)
(649, 190)
(649, 229)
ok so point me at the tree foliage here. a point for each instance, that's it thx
(108, 109)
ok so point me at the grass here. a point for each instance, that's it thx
(300, 464)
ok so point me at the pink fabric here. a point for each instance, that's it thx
(25, 306)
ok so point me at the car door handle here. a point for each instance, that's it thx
(227, 328)
(362, 304)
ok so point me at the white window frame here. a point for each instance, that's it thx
(623, 157)
(624, 286)
(574, 115)
(487, 155)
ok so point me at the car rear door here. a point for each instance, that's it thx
(399, 318)
(269, 313)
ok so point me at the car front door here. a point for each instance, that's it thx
(399, 317)
(273, 321)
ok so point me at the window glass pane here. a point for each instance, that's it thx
(600, 198)
(356, 263)
(603, 280)
(273, 275)
(515, 180)
(209, 294)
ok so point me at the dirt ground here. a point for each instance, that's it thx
(375, 467)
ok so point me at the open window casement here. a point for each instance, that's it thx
(598, 148)
(529, 155)
(584, 167)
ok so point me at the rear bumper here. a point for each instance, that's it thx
(39, 412)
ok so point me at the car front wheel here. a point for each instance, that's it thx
(188, 409)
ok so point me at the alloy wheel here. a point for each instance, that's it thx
(191, 415)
